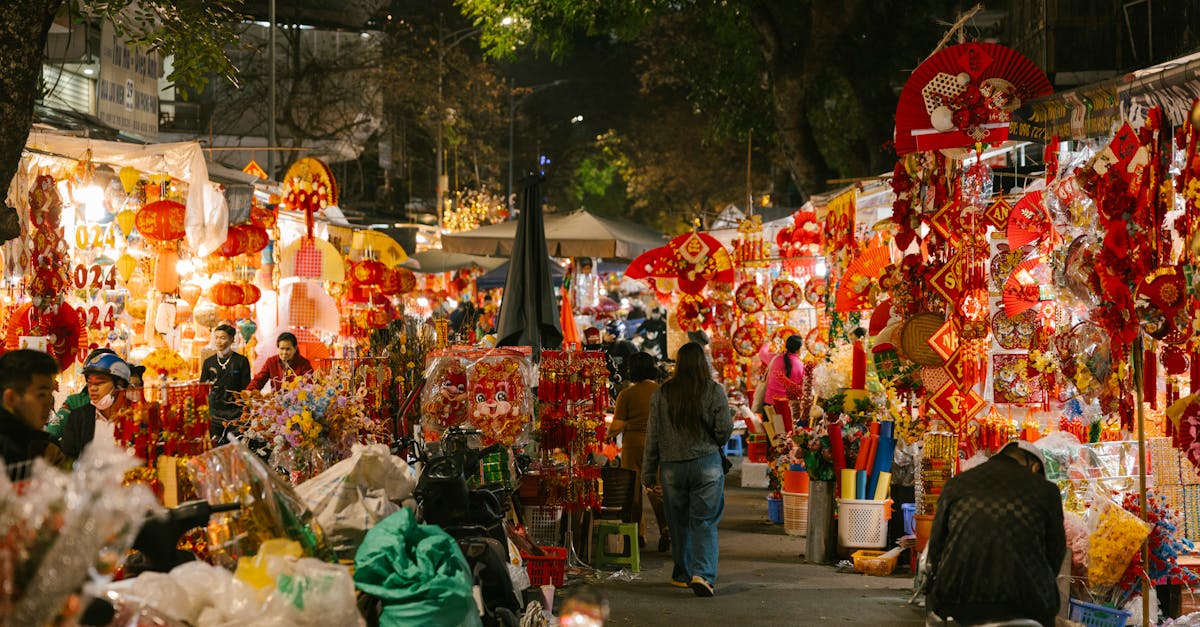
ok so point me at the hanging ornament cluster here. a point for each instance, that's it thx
(309, 186)
(750, 250)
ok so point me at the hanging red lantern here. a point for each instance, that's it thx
(408, 280)
(255, 237)
(377, 318)
(389, 285)
(367, 272)
(250, 293)
(359, 294)
(162, 221)
(226, 294)
(234, 244)
(263, 217)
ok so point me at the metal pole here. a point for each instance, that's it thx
(272, 140)
(1139, 375)
(512, 114)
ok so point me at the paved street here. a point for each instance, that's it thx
(763, 580)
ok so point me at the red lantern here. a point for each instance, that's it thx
(255, 237)
(408, 280)
(367, 272)
(389, 285)
(250, 293)
(359, 294)
(227, 294)
(162, 221)
(263, 217)
(377, 318)
(235, 243)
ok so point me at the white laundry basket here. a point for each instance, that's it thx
(863, 524)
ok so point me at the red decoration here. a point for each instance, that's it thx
(367, 272)
(162, 221)
(227, 294)
(963, 95)
(250, 293)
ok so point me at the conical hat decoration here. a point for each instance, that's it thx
(312, 258)
(963, 95)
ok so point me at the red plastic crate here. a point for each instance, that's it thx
(548, 569)
(756, 452)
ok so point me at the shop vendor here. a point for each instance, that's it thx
(229, 373)
(288, 364)
(107, 377)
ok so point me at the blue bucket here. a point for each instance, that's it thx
(775, 510)
(910, 518)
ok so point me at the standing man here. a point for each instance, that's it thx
(288, 364)
(28, 380)
(229, 373)
(997, 542)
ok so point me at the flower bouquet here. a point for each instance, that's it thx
(1165, 549)
(311, 422)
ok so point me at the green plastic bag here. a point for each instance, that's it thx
(417, 571)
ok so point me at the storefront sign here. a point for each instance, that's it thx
(127, 92)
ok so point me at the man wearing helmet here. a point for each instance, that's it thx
(74, 401)
(107, 376)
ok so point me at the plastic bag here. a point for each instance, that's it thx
(1116, 535)
(356, 493)
(270, 506)
(489, 389)
(418, 572)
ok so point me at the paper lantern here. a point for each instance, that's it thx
(136, 308)
(408, 280)
(367, 272)
(190, 292)
(389, 285)
(162, 221)
(125, 264)
(166, 277)
(206, 314)
(226, 294)
(129, 177)
(183, 311)
(188, 332)
(250, 293)
(263, 217)
(234, 243)
(256, 238)
(126, 219)
(246, 327)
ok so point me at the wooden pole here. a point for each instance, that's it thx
(1139, 373)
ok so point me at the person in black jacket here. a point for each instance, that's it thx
(229, 373)
(28, 380)
(107, 378)
(997, 542)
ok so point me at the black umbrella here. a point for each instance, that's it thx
(529, 311)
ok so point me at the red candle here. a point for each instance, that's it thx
(858, 376)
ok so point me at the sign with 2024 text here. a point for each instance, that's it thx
(127, 92)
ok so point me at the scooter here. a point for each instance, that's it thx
(474, 517)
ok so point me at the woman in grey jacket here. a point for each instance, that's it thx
(689, 422)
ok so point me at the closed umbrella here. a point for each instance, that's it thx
(529, 313)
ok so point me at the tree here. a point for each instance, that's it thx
(826, 73)
(195, 31)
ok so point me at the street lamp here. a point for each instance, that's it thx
(513, 103)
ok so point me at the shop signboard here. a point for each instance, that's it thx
(127, 92)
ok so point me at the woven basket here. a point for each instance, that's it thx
(914, 338)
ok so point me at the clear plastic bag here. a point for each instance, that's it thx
(488, 389)
(1116, 536)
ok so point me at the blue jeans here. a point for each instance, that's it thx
(694, 498)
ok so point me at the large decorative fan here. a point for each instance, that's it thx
(963, 95)
(309, 186)
(700, 258)
(854, 290)
(1029, 221)
(1023, 290)
(65, 328)
(649, 265)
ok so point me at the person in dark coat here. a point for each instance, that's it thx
(997, 542)
(229, 373)
(107, 379)
(28, 380)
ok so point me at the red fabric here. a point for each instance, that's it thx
(274, 372)
(783, 407)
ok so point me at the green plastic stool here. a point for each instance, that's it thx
(605, 528)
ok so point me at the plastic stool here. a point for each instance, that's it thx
(734, 445)
(629, 531)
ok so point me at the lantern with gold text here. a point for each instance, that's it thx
(367, 272)
(162, 221)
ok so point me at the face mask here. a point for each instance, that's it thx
(105, 402)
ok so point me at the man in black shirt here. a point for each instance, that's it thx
(998, 542)
(229, 373)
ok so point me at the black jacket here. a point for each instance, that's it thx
(996, 545)
(78, 430)
(19, 443)
(233, 378)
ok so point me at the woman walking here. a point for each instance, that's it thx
(689, 422)
(631, 418)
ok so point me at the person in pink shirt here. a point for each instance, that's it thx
(785, 380)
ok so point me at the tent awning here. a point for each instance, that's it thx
(578, 234)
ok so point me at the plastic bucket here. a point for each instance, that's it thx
(924, 525)
(796, 481)
(775, 510)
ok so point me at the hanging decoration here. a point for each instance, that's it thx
(309, 186)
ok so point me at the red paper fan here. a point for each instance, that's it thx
(854, 290)
(651, 264)
(1029, 221)
(1023, 290)
(940, 73)
(67, 327)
